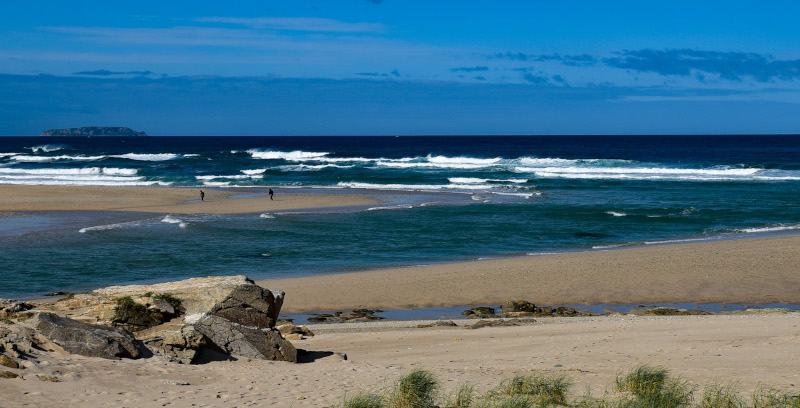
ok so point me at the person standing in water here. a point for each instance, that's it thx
(202, 195)
(271, 193)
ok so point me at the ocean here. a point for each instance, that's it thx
(446, 199)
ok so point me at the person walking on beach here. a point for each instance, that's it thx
(271, 193)
(202, 195)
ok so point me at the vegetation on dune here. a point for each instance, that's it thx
(642, 387)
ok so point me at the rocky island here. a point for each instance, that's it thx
(94, 131)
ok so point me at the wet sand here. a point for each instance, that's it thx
(758, 270)
(163, 200)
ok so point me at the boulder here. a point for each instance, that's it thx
(480, 312)
(518, 306)
(246, 341)
(236, 298)
(176, 341)
(87, 339)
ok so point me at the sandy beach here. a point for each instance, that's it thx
(746, 349)
(161, 200)
(759, 270)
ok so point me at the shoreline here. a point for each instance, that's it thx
(745, 270)
(175, 200)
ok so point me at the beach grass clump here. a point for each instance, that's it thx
(128, 302)
(463, 397)
(765, 397)
(721, 396)
(363, 400)
(417, 389)
(652, 387)
(540, 389)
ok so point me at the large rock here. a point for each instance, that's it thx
(230, 313)
(246, 341)
(176, 341)
(87, 339)
(235, 298)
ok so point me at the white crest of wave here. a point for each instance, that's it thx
(40, 159)
(392, 207)
(47, 148)
(616, 214)
(295, 155)
(773, 228)
(169, 219)
(217, 183)
(475, 180)
(428, 187)
(110, 226)
(147, 157)
(254, 172)
(267, 216)
(233, 177)
(102, 176)
(312, 167)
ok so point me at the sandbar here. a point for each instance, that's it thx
(758, 270)
(163, 199)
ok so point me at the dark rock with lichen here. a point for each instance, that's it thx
(91, 340)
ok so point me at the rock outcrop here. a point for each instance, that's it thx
(91, 340)
(230, 314)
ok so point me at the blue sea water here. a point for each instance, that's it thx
(446, 199)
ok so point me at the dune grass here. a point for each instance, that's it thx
(641, 387)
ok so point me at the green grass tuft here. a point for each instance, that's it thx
(172, 300)
(463, 397)
(416, 389)
(363, 400)
(720, 396)
(765, 397)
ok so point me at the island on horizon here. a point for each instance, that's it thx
(93, 131)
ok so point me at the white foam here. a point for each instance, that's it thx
(774, 228)
(169, 219)
(267, 216)
(47, 148)
(296, 155)
(110, 226)
(148, 157)
(41, 159)
(254, 172)
(392, 207)
(217, 183)
(233, 177)
(90, 176)
(616, 214)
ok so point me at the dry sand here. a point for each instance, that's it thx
(161, 200)
(760, 270)
(744, 349)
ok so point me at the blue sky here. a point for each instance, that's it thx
(359, 67)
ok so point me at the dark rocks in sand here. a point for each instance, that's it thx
(498, 322)
(10, 308)
(9, 374)
(292, 332)
(673, 311)
(87, 339)
(9, 362)
(480, 312)
(438, 323)
(515, 306)
(355, 315)
(17, 341)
